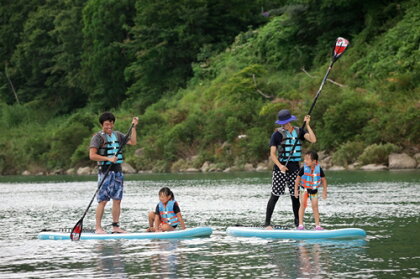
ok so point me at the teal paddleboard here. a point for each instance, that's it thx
(347, 233)
(187, 233)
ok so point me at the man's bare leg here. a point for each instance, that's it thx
(116, 211)
(99, 214)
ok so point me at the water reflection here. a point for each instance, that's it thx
(110, 261)
(313, 258)
(309, 261)
(149, 259)
(165, 262)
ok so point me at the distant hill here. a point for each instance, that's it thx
(221, 107)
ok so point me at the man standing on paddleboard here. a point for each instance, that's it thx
(286, 160)
(103, 148)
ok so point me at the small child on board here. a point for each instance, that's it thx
(167, 215)
(310, 177)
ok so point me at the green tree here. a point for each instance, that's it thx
(13, 15)
(67, 58)
(103, 59)
(168, 36)
(46, 61)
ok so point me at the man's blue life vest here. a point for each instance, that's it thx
(311, 178)
(167, 214)
(109, 148)
(287, 143)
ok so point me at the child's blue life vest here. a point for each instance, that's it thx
(167, 214)
(110, 148)
(311, 178)
(287, 143)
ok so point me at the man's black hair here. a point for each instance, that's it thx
(106, 116)
(312, 154)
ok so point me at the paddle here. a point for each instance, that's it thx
(340, 47)
(78, 228)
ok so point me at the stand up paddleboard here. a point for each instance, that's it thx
(187, 233)
(348, 233)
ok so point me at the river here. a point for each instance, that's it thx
(386, 204)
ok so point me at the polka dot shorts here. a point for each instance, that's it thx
(280, 180)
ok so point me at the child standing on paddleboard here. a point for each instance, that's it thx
(309, 178)
(167, 215)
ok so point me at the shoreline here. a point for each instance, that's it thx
(93, 171)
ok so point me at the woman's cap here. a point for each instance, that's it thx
(284, 117)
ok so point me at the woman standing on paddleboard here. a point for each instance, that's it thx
(286, 160)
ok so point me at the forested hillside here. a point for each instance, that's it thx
(206, 79)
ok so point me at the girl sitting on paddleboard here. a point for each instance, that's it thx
(167, 215)
(310, 177)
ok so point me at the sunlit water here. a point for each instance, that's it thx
(385, 204)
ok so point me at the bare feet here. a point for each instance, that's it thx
(118, 230)
(268, 228)
(100, 231)
(150, 229)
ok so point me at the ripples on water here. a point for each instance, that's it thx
(388, 211)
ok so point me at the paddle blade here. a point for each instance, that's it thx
(340, 47)
(77, 231)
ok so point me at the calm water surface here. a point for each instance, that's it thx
(385, 204)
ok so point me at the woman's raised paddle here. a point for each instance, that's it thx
(76, 232)
(340, 47)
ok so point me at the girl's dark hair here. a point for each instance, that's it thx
(312, 154)
(167, 192)
(106, 116)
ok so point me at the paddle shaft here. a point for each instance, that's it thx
(107, 171)
(311, 109)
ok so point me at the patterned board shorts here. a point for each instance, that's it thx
(280, 180)
(112, 188)
(311, 193)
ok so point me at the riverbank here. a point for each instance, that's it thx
(396, 161)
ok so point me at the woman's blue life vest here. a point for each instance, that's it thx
(311, 178)
(167, 213)
(287, 143)
(109, 148)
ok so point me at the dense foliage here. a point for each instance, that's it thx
(206, 78)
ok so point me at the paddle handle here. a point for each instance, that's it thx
(311, 109)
